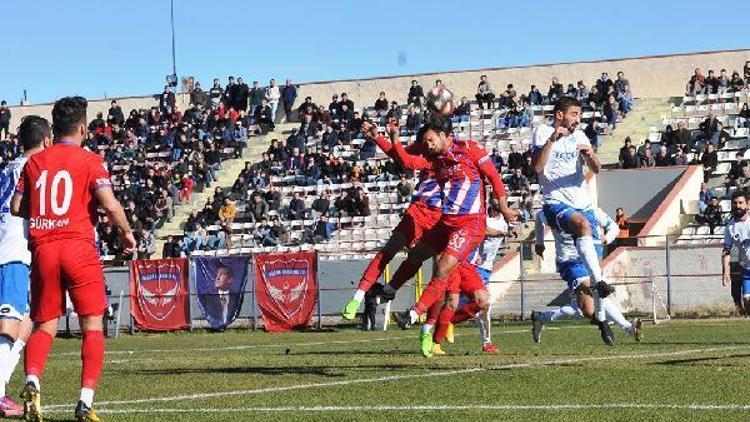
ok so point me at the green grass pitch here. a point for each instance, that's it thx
(683, 370)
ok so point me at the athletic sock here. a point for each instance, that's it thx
(359, 295)
(444, 321)
(467, 312)
(34, 380)
(426, 328)
(613, 314)
(567, 311)
(373, 271)
(92, 355)
(405, 271)
(587, 252)
(87, 396)
(37, 350)
(6, 347)
(434, 312)
(434, 291)
(484, 319)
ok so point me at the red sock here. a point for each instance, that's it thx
(434, 312)
(467, 312)
(404, 272)
(431, 294)
(92, 355)
(444, 321)
(37, 350)
(373, 271)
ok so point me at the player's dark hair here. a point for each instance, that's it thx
(32, 131)
(67, 114)
(436, 124)
(564, 103)
(739, 193)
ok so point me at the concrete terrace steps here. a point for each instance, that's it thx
(647, 113)
(230, 170)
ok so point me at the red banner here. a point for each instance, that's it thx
(159, 294)
(286, 289)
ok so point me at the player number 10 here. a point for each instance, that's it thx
(63, 177)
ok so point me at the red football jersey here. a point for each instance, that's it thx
(59, 184)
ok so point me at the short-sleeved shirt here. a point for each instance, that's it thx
(737, 233)
(13, 234)
(491, 244)
(59, 184)
(563, 177)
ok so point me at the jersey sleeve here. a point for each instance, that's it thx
(22, 182)
(539, 138)
(728, 241)
(99, 176)
(416, 162)
(487, 169)
(386, 146)
(582, 139)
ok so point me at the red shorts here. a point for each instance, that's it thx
(66, 265)
(457, 235)
(465, 280)
(417, 220)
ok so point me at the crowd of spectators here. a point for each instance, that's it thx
(718, 84)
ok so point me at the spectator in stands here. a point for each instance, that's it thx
(255, 96)
(515, 158)
(624, 150)
(697, 84)
(404, 190)
(321, 205)
(623, 222)
(593, 135)
(334, 108)
(485, 94)
(720, 136)
(535, 97)
(583, 92)
(626, 99)
(709, 126)
(743, 117)
(227, 212)
(705, 196)
(413, 121)
(736, 83)
(216, 93)
(164, 207)
(416, 94)
(115, 115)
(711, 215)
(258, 208)
(4, 120)
(381, 107)
(345, 101)
(609, 112)
(647, 160)
(264, 116)
(463, 111)
(394, 112)
(710, 161)
(631, 161)
(518, 184)
(604, 83)
(343, 135)
(361, 203)
(296, 207)
(663, 159)
(344, 204)
(188, 185)
(596, 98)
(167, 99)
(620, 83)
(555, 90)
(508, 97)
(683, 136)
(240, 95)
(146, 244)
(723, 82)
(571, 91)
(712, 83)
(323, 229)
(198, 96)
(746, 71)
(643, 148)
(679, 158)
(289, 96)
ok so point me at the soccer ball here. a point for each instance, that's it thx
(441, 100)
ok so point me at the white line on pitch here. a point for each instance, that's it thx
(436, 408)
(268, 390)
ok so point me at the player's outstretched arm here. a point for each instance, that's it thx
(414, 162)
(116, 214)
(541, 155)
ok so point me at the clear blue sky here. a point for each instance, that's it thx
(118, 48)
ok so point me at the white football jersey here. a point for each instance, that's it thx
(737, 233)
(13, 230)
(563, 177)
(490, 246)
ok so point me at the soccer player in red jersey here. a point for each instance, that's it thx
(460, 168)
(58, 193)
(423, 214)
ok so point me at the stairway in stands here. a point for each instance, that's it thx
(230, 170)
(646, 116)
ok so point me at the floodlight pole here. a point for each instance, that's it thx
(171, 18)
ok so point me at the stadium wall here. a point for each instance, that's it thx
(651, 77)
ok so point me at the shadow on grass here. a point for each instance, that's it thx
(322, 371)
(674, 362)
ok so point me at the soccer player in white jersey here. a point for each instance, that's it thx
(15, 326)
(558, 155)
(574, 273)
(737, 233)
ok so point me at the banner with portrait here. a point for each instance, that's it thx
(286, 289)
(220, 286)
(160, 294)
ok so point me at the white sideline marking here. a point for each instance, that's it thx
(436, 408)
(268, 390)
